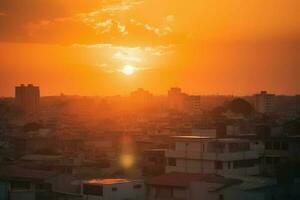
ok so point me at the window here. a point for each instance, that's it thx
(172, 161)
(218, 165)
(284, 146)
(164, 192)
(216, 147)
(221, 197)
(269, 160)
(268, 145)
(137, 186)
(114, 189)
(235, 164)
(276, 145)
(233, 147)
(245, 163)
(276, 160)
(43, 186)
(96, 190)
(229, 165)
(20, 185)
(245, 146)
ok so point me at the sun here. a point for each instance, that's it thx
(128, 70)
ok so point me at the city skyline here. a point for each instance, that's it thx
(84, 48)
(165, 93)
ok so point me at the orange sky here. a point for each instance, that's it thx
(204, 46)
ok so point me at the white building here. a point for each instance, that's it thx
(226, 156)
(117, 189)
(264, 102)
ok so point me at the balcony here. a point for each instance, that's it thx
(225, 156)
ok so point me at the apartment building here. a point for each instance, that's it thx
(224, 156)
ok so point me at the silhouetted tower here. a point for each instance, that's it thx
(27, 97)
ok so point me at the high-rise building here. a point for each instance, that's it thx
(176, 99)
(193, 104)
(27, 97)
(181, 102)
(264, 102)
(141, 96)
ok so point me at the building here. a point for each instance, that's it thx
(25, 184)
(27, 97)
(224, 156)
(277, 151)
(141, 96)
(193, 104)
(17, 182)
(117, 189)
(264, 102)
(194, 186)
(181, 102)
(176, 99)
(154, 162)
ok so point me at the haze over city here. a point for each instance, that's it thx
(205, 47)
(149, 99)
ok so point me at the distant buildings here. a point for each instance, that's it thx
(264, 102)
(181, 102)
(27, 97)
(141, 98)
(176, 99)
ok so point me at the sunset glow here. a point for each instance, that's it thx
(128, 70)
(206, 47)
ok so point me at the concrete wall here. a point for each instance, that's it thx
(3, 191)
(22, 195)
(123, 191)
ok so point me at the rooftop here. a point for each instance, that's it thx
(19, 172)
(195, 138)
(40, 157)
(106, 181)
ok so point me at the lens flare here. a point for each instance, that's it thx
(127, 160)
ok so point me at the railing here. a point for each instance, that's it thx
(212, 156)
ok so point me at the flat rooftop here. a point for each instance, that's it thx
(199, 138)
(106, 181)
(193, 137)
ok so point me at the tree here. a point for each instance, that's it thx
(240, 106)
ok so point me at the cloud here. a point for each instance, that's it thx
(127, 56)
(118, 56)
(56, 21)
(170, 18)
(114, 7)
(163, 30)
